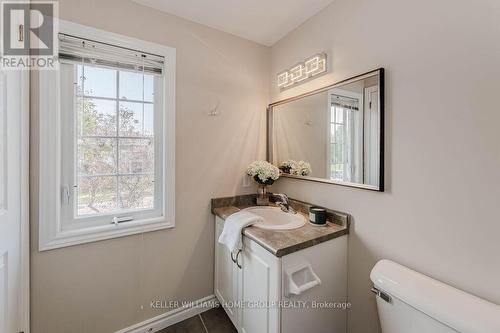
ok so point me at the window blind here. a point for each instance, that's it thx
(345, 106)
(76, 49)
(345, 102)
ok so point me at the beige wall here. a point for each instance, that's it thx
(439, 214)
(99, 287)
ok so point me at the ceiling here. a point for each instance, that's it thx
(261, 21)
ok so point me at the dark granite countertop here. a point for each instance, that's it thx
(283, 242)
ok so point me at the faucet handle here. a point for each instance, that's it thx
(284, 203)
(282, 196)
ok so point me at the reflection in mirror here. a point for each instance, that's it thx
(332, 135)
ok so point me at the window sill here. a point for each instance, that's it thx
(89, 235)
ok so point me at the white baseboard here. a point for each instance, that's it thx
(172, 317)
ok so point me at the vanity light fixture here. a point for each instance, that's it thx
(310, 67)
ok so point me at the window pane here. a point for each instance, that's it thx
(338, 133)
(337, 172)
(79, 80)
(339, 153)
(96, 156)
(149, 88)
(96, 195)
(339, 118)
(136, 192)
(136, 156)
(336, 153)
(131, 119)
(132, 87)
(149, 115)
(336, 114)
(99, 82)
(97, 117)
(111, 129)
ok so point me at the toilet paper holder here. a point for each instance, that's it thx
(300, 279)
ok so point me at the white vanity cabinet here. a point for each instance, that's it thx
(252, 285)
(245, 287)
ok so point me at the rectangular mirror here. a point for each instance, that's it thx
(332, 135)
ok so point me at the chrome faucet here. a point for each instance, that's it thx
(284, 203)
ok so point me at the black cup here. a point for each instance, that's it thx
(317, 216)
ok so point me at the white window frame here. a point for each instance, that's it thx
(52, 235)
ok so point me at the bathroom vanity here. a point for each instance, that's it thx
(287, 281)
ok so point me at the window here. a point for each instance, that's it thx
(344, 135)
(111, 157)
(115, 144)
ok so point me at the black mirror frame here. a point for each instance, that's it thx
(380, 187)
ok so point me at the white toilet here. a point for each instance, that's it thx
(410, 302)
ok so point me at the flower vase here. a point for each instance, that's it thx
(262, 196)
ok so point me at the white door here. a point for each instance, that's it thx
(13, 240)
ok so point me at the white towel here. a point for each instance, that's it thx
(234, 224)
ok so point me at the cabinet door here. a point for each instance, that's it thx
(259, 289)
(226, 276)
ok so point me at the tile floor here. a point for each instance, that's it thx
(212, 321)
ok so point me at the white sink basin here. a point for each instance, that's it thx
(276, 219)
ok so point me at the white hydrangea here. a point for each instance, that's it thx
(263, 172)
(303, 168)
(300, 168)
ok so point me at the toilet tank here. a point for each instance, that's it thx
(411, 302)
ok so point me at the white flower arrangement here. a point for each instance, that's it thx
(287, 166)
(300, 168)
(263, 172)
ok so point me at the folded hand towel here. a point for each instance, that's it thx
(231, 234)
